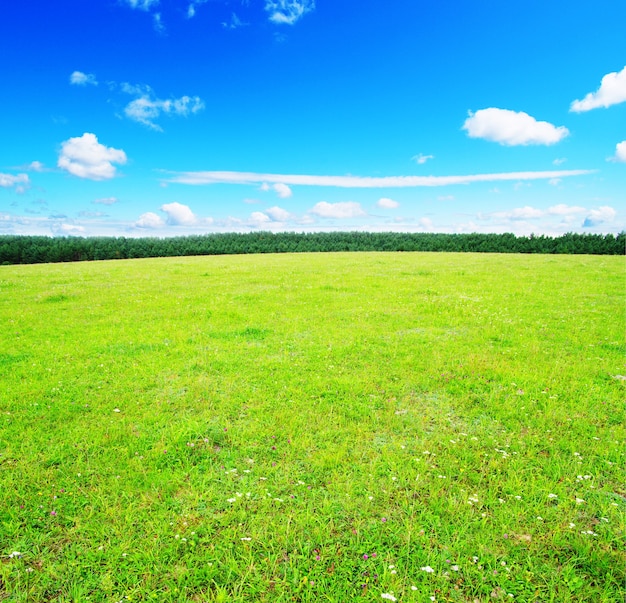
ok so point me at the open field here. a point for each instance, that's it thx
(313, 427)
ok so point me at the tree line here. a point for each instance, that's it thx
(20, 249)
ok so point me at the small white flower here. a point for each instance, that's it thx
(427, 569)
(15, 554)
(580, 501)
(413, 587)
(572, 525)
(455, 568)
(246, 539)
(232, 500)
(552, 496)
(388, 596)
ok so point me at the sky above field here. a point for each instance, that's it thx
(175, 117)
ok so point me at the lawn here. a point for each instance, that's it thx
(313, 427)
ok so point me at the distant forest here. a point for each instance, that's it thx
(17, 249)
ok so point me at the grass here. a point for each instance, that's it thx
(323, 427)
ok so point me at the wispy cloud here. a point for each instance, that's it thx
(85, 157)
(200, 178)
(147, 108)
(344, 209)
(106, 201)
(234, 22)
(567, 216)
(78, 78)
(422, 159)
(612, 91)
(288, 11)
(511, 128)
(141, 4)
(11, 180)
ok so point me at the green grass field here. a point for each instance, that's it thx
(313, 427)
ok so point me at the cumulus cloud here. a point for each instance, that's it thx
(258, 219)
(78, 78)
(150, 220)
(612, 91)
(620, 152)
(147, 107)
(599, 216)
(344, 209)
(421, 159)
(283, 191)
(179, 214)
(512, 128)
(85, 157)
(288, 11)
(200, 178)
(387, 203)
(11, 180)
(278, 214)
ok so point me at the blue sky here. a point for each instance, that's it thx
(175, 117)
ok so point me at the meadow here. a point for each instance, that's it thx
(313, 427)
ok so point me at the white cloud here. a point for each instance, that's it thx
(234, 23)
(78, 78)
(191, 9)
(288, 11)
(199, 178)
(179, 214)
(421, 159)
(149, 220)
(283, 191)
(519, 213)
(512, 128)
(386, 203)
(158, 23)
(344, 209)
(565, 210)
(599, 216)
(612, 91)
(85, 157)
(620, 152)
(36, 166)
(106, 201)
(71, 229)
(554, 181)
(278, 214)
(426, 223)
(142, 4)
(10, 180)
(147, 108)
(559, 161)
(258, 218)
